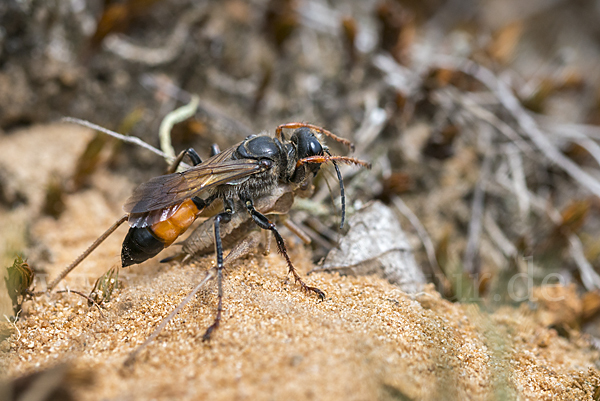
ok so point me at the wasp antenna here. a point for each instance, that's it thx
(336, 138)
(279, 132)
(325, 159)
(342, 194)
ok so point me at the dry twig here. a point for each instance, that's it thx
(426, 240)
(476, 215)
(81, 294)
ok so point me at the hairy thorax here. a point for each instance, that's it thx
(253, 187)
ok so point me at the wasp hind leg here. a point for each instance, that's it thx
(263, 222)
(224, 218)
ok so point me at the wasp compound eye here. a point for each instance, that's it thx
(313, 147)
(307, 142)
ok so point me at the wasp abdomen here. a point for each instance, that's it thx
(170, 229)
(143, 243)
(139, 245)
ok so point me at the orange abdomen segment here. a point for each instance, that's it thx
(170, 229)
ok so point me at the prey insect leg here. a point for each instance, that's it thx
(263, 222)
(224, 218)
(85, 254)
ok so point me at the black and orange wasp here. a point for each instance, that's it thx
(162, 209)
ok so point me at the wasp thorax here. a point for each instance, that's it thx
(260, 147)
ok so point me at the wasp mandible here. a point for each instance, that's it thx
(162, 209)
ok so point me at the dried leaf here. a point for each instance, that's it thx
(18, 281)
(376, 244)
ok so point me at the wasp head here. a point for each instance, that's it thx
(309, 152)
(307, 143)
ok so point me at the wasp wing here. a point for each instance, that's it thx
(141, 220)
(172, 189)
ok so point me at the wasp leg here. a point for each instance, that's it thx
(263, 222)
(224, 218)
(191, 153)
(194, 157)
(214, 150)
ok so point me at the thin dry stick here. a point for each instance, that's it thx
(477, 206)
(81, 294)
(517, 173)
(498, 237)
(131, 358)
(313, 235)
(296, 229)
(397, 76)
(589, 277)
(578, 137)
(590, 131)
(85, 254)
(538, 204)
(371, 126)
(124, 138)
(425, 239)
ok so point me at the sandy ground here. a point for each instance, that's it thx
(367, 340)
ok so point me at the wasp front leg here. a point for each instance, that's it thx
(222, 218)
(263, 222)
